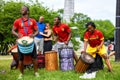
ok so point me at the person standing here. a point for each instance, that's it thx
(62, 35)
(26, 26)
(39, 39)
(47, 38)
(94, 43)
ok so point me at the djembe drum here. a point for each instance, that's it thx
(14, 53)
(51, 60)
(26, 46)
(66, 58)
(83, 63)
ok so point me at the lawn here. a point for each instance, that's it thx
(5, 62)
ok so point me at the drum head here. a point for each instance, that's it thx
(87, 58)
(26, 40)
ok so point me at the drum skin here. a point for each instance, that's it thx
(51, 60)
(83, 63)
(25, 44)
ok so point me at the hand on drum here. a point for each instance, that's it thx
(83, 51)
(31, 35)
(19, 35)
(66, 42)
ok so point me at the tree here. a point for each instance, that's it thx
(10, 11)
(107, 28)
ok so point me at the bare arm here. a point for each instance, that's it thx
(69, 37)
(98, 48)
(46, 35)
(85, 45)
(15, 33)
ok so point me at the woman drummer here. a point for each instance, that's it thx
(94, 43)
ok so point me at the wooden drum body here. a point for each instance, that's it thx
(27, 58)
(51, 60)
(83, 63)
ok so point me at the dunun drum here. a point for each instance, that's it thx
(66, 58)
(41, 60)
(25, 45)
(51, 60)
(83, 63)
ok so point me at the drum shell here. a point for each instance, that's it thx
(81, 66)
(41, 61)
(83, 63)
(66, 58)
(51, 60)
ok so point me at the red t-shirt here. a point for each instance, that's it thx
(94, 39)
(30, 26)
(62, 32)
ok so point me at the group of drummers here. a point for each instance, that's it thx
(35, 38)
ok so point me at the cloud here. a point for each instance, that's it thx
(95, 9)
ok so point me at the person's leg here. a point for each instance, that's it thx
(34, 59)
(21, 65)
(36, 41)
(107, 62)
(111, 54)
(103, 53)
(41, 44)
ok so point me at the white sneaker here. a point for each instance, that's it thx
(83, 76)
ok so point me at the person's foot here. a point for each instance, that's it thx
(36, 74)
(109, 70)
(20, 76)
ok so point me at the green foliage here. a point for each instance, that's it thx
(107, 28)
(10, 11)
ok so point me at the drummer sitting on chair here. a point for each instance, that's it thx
(95, 40)
(25, 27)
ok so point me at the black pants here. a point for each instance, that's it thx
(97, 65)
(47, 45)
(33, 54)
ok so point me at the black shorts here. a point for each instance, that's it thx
(33, 54)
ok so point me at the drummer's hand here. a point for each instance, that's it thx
(19, 35)
(31, 35)
(66, 42)
(98, 49)
(83, 51)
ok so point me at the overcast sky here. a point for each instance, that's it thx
(95, 9)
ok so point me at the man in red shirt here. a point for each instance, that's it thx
(62, 35)
(94, 43)
(25, 26)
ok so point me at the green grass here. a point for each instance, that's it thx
(54, 75)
